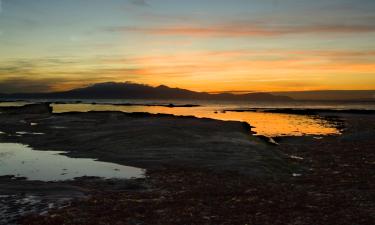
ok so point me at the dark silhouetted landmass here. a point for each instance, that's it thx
(127, 90)
(350, 95)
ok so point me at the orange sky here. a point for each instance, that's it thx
(237, 45)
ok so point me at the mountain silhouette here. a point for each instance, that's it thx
(128, 90)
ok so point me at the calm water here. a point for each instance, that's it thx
(219, 104)
(2, 104)
(22, 161)
(269, 124)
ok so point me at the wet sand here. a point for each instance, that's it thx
(232, 177)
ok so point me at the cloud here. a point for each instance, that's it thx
(276, 67)
(61, 81)
(225, 70)
(55, 74)
(32, 66)
(139, 2)
(248, 29)
(24, 84)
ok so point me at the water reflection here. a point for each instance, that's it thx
(22, 161)
(11, 104)
(268, 124)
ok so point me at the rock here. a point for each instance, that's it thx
(40, 108)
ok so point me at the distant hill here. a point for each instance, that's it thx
(352, 95)
(127, 90)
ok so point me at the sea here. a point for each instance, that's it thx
(263, 123)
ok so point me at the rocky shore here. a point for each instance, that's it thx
(144, 140)
(201, 171)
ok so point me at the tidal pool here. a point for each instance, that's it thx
(268, 124)
(22, 161)
(16, 103)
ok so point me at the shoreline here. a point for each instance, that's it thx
(147, 140)
(314, 166)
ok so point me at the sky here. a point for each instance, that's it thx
(201, 45)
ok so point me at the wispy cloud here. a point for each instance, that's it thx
(246, 29)
(55, 74)
(139, 2)
(223, 69)
(25, 84)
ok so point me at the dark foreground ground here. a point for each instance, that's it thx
(333, 183)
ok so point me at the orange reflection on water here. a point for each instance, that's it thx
(268, 124)
(276, 124)
(11, 104)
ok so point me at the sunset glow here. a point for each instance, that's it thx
(239, 45)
